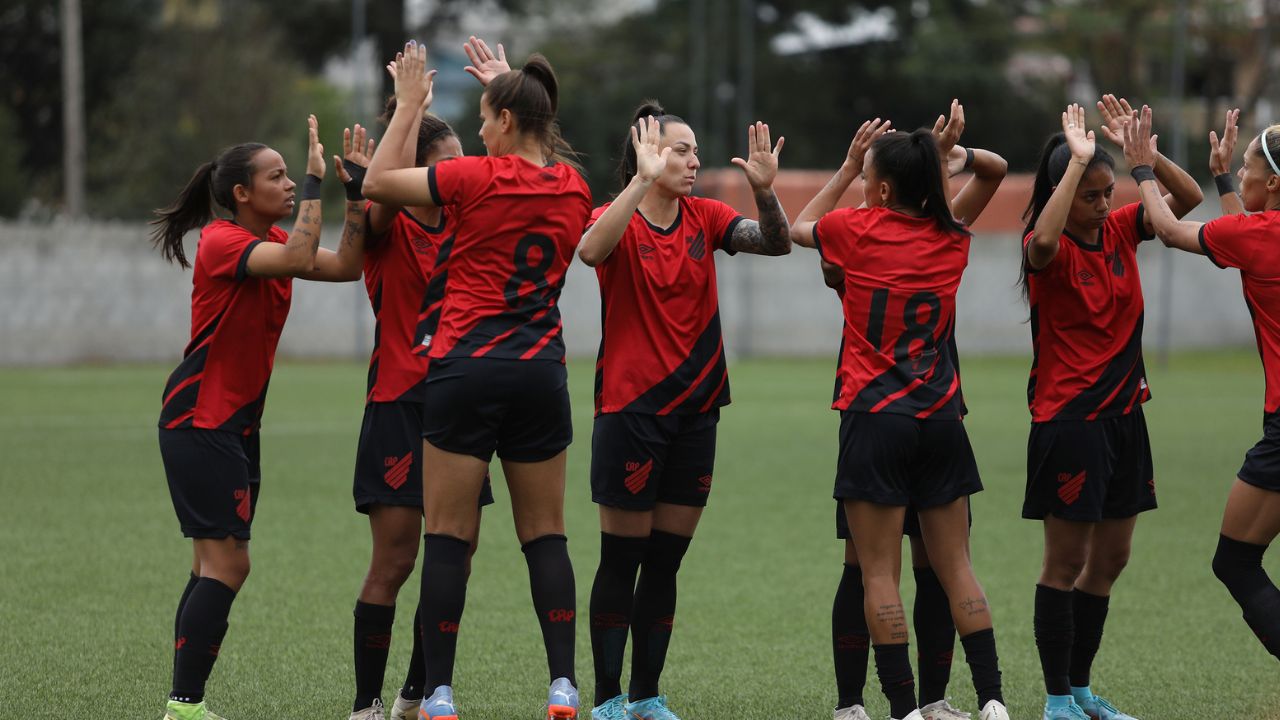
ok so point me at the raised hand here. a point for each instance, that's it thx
(947, 130)
(1139, 143)
(1115, 113)
(867, 134)
(485, 66)
(315, 151)
(357, 151)
(412, 79)
(1222, 149)
(646, 138)
(1081, 143)
(761, 165)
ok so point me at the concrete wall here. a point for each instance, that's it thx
(98, 292)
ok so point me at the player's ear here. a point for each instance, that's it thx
(505, 120)
(240, 193)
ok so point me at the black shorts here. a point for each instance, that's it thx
(389, 458)
(910, 522)
(1262, 463)
(214, 476)
(1089, 470)
(638, 460)
(516, 408)
(892, 459)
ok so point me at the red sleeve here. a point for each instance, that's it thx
(457, 181)
(835, 235)
(224, 250)
(719, 221)
(1127, 221)
(1231, 241)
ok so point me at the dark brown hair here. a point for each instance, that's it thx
(910, 162)
(431, 130)
(532, 95)
(648, 108)
(192, 209)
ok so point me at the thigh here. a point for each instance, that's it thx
(389, 457)
(679, 520)
(210, 483)
(1066, 549)
(877, 535)
(628, 459)
(690, 462)
(1252, 514)
(396, 529)
(538, 424)
(537, 496)
(451, 490)
(945, 532)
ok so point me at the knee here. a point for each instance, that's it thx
(391, 572)
(664, 552)
(1063, 571)
(1234, 562)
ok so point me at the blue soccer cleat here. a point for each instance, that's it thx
(615, 708)
(562, 700)
(1069, 711)
(439, 706)
(654, 708)
(1099, 709)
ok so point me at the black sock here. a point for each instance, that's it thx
(177, 617)
(554, 599)
(850, 640)
(654, 612)
(443, 596)
(1089, 614)
(200, 631)
(1239, 566)
(984, 664)
(935, 636)
(1055, 630)
(416, 679)
(893, 665)
(610, 610)
(372, 643)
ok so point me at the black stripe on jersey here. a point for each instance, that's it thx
(955, 364)
(599, 387)
(184, 400)
(429, 322)
(203, 336)
(1035, 355)
(706, 349)
(1207, 252)
(1118, 382)
(1143, 236)
(835, 397)
(376, 301)
(242, 267)
(520, 332)
(726, 240)
(433, 188)
(895, 381)
(248, 416)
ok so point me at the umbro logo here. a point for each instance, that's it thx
(421, 245)
(1086, 277)
(704, 484)
(647, 251)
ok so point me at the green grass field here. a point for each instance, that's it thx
(93, 560)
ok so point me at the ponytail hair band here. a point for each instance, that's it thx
(1262, 140)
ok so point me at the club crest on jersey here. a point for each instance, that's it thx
(637, 475)
(1086, 277)
(1117, 265)
(697, 246)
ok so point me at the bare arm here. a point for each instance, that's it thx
(385, 181)
(1184, 192)
(829, 196)
(599, 241)
(1140, 152)
(347, 263)
(1046, 234)
(989, 170)
(1220, 153)
(771, 234)
(297, 256)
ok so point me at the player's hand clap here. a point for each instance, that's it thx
(1115, 113)
(947, 130)
(1081, 143)
(867, 134)
(356, 153)
(1222, 149)
(1139, 143)
(485, 65)
(315, 151)
(646, 138)
(761, 165)
(412, 79)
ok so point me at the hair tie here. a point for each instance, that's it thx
(1262, 140)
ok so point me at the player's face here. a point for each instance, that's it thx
(491, 133)
(447, 148)
(1092, 203)
(1257, 180)
(682, 163)
(875, 191)
(270, 191)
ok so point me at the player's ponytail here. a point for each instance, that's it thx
(532, 96)
(911, 164)
(214, 180)
(648, 108)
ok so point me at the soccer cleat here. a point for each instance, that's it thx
(993, 710)
(853, 712)
(188, 711)
(439, 706)
(404, 709)
(615, 708)
(942, 710)
(373, 712)
(562, 700)
(1064, 712)
(654, 708)
(913, 715)
(1099, 709)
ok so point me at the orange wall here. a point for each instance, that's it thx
(796, 188)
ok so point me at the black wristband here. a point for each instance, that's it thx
(356, 172)
(1142, 173)
(1226, 183)
(311, 188)
(968, 158)
(355, 189)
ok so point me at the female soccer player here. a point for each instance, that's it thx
(660, 384)
(497, 381)
(931, 615)
(213, 400)
(1244, 238)
(898, 390)
(1089, 469)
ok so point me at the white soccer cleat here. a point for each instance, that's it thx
(993, 710)
(913, 715)
(403, 709)
(942, 710)
(373, 712)
(853, 712)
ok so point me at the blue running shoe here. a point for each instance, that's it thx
(1071, 711)
(1099, 709)
(439, 706)
(615, 708)
(654, 708)
(562, 700)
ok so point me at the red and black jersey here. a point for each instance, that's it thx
(517, 228)
(236, 319)
(661, 349)
(398, 273)
(1248, 242)
(901, 274)
(1086, 324)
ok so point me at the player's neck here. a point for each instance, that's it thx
(1080, 232)
(257, 225)
(660, 208)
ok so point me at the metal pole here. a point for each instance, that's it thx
(360, 103)
(73, 133)
(1177, 88)
(698, 63)
(745, 116)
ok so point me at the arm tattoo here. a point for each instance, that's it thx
(769, 236)
(354, 227)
